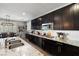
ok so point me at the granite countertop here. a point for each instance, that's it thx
(66, 40)
(26, 50)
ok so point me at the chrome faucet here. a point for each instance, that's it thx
(62, 35)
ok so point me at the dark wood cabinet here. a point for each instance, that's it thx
(54, 47)
(71, 17)
(66, 18)
(76, 16)
(36, 24)
(51, 47)
(47, 18)
(37, 41)
(70, 50)
(28, 37)
(58, 20)
(60, 49)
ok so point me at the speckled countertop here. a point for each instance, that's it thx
(66, 40)
(26, 50)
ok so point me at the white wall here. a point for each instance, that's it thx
(29, 25)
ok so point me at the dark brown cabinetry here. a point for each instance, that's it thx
(37, 41)
(60, 49)
(76, 16)
(66, 18)
(54, 47)
(51, 47)
(58, 19)
(34, 39)
(36, 24)
(47, 18)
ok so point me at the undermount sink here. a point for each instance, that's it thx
(13, 44)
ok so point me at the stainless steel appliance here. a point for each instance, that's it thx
(47, 26)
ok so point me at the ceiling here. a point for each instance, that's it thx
(27, 11)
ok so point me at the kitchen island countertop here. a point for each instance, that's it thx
(26, 50)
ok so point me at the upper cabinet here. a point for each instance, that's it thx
(36, 24)
(75, 9)
(66, 18)
(71, 17)
(47, 18)
(68, 21)
(58, 19)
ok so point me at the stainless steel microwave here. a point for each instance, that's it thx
(47, 26)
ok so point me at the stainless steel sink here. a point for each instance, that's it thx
(13, 44)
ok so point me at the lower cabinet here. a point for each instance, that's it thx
(50, 47)
(53, 47)
(70, 50)
(36, 40)
(28, 37)
(60, 49)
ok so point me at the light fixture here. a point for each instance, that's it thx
(7, 23)
(23, 13)
(7, 17)
(40, 19)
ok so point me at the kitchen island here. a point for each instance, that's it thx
(25, 50)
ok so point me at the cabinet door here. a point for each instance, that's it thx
(58, 19)
(68, 18)
(51, 47)
(31, 37)
(38, 41)
(33, 24)
(36, 24)
(28, 37)
(76, 16)
(47, 18)
(70, 50)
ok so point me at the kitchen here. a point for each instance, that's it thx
(42, 29)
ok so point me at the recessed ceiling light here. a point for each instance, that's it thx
(23, 13)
